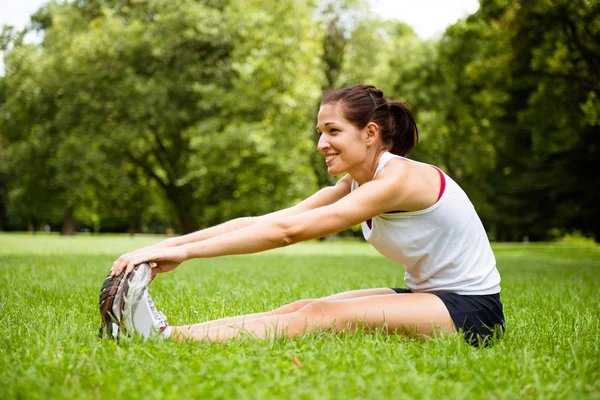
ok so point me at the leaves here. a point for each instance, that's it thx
(154, 89)
(160, 113)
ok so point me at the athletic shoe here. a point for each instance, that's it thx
(111, 302)
(146, 319)
(138, 311)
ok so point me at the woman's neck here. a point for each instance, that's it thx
(366, 170)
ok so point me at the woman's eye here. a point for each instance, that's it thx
(332, 130)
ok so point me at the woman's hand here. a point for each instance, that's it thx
(162, 259)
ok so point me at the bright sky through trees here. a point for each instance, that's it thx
(429, 18)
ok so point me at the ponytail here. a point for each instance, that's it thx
(403, 131)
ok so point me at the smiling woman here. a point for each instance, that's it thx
(411, 212)
(349, 111)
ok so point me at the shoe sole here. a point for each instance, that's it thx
(111, 290)
(133, 288)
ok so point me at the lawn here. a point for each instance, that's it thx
(49, 317)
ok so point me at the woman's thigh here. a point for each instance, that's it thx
(353, 294)
(415, 313)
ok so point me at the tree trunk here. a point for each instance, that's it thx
(182, 200)
(3, 217)
(32, 227)
(187, 223)
(68, 226)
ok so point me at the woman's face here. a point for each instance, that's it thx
(343, 144)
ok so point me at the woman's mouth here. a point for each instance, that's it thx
(330, 157)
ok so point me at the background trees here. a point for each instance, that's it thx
(154, 114)
(529, 76)
(190, 98)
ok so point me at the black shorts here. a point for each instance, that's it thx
(479, 317)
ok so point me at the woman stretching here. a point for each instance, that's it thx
(411, 212)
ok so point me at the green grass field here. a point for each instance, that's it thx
(49, 322)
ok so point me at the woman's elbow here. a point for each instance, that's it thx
(288, 234)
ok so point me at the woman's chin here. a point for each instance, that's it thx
(333, 171)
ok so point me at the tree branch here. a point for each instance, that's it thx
(146, 169)
(588, 55)
(163, 155)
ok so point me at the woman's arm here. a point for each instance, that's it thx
(323, 197)
(372, 198)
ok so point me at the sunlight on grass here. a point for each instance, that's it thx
(49, 346)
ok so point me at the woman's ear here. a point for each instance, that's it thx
(372, 133)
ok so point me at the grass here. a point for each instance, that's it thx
(49, 290)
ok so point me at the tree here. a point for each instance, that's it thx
(182, 91)
(556, 47)
(514, 103)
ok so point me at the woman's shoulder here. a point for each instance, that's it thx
(394, 167)
(398, 164)
(417, 185)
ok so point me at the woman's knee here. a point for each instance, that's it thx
(325, 314)
(293, 307)
(316, 308)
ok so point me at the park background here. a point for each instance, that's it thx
(148, 116)
(169, 116)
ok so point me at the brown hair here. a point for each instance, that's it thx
(362, 104)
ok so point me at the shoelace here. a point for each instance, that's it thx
(162, 320)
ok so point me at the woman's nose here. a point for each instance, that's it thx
(323, 143)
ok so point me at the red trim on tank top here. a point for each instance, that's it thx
(442, 188)
(442, 184)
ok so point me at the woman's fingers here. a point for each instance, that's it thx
(122, 262)
(157, 257)
(150, 256)
(133, 261)
(116, 268)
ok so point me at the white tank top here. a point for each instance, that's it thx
(444, 248)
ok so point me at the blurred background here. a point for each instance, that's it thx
(161, 116)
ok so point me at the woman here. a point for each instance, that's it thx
(410, 212)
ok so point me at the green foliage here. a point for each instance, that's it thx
(367, 55)
(175, 91)
(150, 114)
(255, 155)
(548, 135)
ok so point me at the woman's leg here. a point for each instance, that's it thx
(286, 309)
(413, 313)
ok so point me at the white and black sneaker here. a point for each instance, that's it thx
(138, 313)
